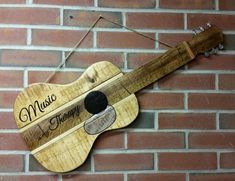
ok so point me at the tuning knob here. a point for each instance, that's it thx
(207, 54)
(194, 32)
(221, 47)
(208, 24)
(201, 28)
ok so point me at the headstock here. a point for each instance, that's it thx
(207, 39)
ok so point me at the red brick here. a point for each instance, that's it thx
(85, 59)
(11, 163)
(223, 21)
(188, 81)
(136, 60)
(33, 16)
(160, 100)
(142, 161)
(60, 38)
(127, 3)
(11, 78)
(12, 141)
(30, 58)
(187, 4)
(227, 160)
(187, 161)
(214, 62)
(7, 120)
(213, 177)
(110, 140)
(143, 140)
(11, 36)
(173, 39)
(226, 81)
(58, 78)
(227, 121)
(124, 40)
(186, 121)
(12, 2)
(156, 176)
(87, 18)
(155, 20)
(226, 5)
(65, 2)
(92, 177)
(211, 101)
(217, 140)
(29, 177)
(7, 98)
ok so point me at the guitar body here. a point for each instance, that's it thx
(55, 121)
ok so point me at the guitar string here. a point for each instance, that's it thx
(86, 34)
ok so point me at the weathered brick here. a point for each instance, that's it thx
(11, 78)
(156, 176)
(229, 42)
(188, 81)
(186, 121)
(173, 39)
(187, 4)
(145, 120)
(225, 81)
(136, 60)
(87, 18)
(30, 58)
(60, 38)
(7, 98)
(160, 100)
(219, 140)
(212, 177)
(29, 177)
(58, 78)
(13, 36)
(127, 3)
(7, 120)
(12, 141)
(214, 62)
(12, 2)
(227, 160)
(226, 22)
(85, 59)
(187, 161)
(96, 177)
(12, 163)
(65, 2)
(33, 16)
(227, 121)
(142, 161)
(143, 140)
(211, 101)
(110, 140)
(227, 5)
(155, 20)
(124, 40)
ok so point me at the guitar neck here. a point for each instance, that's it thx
(157, 68)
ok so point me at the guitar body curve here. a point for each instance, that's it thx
(56, 125)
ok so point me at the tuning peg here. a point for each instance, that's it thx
(201, 28)
(208, 24)
(221, 47)
(214, 51)
(207, 54)
(194, 32)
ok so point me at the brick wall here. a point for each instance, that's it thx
(185, 130)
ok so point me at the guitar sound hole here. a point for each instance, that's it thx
(95, 102)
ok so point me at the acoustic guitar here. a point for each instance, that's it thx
(61, 122)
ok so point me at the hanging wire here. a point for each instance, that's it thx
(86, 34)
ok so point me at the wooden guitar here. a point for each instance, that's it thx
(61, 122)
